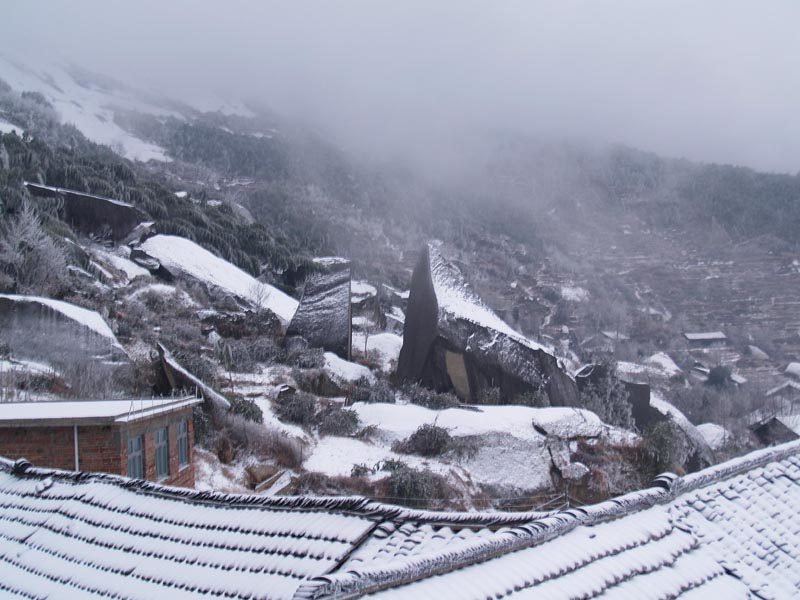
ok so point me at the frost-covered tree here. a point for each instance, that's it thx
(30, 259)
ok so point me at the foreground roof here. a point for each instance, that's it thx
(731, 530)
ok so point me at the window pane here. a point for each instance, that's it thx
(183, 443)
(135, 462)
(162, 453)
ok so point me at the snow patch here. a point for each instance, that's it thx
(6, 127)
(574, 293)
(165, 291)
(343, 372)
(714, 435)
(662, 361)
(387, 345)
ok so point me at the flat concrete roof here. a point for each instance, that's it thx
(88, 412)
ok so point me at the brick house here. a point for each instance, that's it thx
(145, 439)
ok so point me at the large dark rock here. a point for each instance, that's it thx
(92, 214)
(323, 317)
(453, 342)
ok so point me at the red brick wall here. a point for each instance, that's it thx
(43, 446)
(181, 477)
(101, 448)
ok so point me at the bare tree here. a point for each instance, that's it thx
(259, 294)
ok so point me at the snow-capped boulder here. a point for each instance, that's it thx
(56, 332)
(182, 256)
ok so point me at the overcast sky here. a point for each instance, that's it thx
(709, 80)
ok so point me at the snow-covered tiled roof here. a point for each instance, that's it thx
(731, 531)
(89, 411)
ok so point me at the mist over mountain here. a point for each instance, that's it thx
(711, 82)
(499, 260)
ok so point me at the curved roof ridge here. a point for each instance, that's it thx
(665, 488)
(350, 504)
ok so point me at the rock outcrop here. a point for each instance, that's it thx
(453, 342)
(92, 214)
(323, 317)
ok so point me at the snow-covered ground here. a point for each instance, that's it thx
(387, 345)
(657, 367)
(715, 435)
(6, 127)
(89, 107)
(184, 256)
(165, 291)
(574, 293)
(512, 453)
(343, 372)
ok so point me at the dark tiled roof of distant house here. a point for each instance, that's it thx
(730, 531)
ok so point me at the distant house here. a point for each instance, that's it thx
(789, 390)
(145, 439)
(706, 339)
(777, 430)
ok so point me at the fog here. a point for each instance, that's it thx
(714, 81)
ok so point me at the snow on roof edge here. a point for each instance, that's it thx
(666, 488)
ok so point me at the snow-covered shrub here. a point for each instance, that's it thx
(416, 488)
(428, 398)
(380, 391)
(427, 440)
(464, 447)
(335, 420)
(309, 358)
(246, 408)
(298, 408)
(491, 396)
(233, 435)
(538, 398)
(360, 470)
